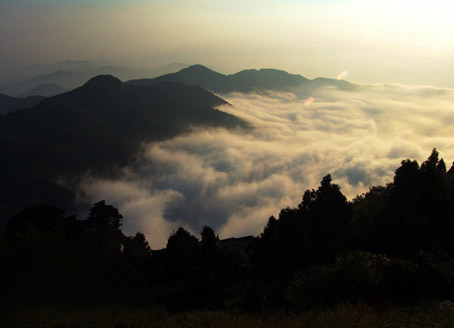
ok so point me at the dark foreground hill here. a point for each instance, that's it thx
(245, 81)
(94, 127)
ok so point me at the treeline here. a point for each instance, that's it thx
(391, 245)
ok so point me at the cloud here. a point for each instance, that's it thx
(234, 182)
(141, 207)
(342, 75)
(309, 101)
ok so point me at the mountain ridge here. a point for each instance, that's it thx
(71, 74)
(9, 104)
(45, 90)
(245, 81)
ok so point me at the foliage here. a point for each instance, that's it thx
(342, 316)
(391, 245)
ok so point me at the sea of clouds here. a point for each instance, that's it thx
(234, 181)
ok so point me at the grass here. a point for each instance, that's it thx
(343, 316)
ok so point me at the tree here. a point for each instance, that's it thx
(406, 181)
(104, 217)
(451, 170)
(269, 232)
(181, 253)
(182, 242)
(105, 221)
(326, 216)
(209, 242)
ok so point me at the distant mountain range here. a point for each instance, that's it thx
(72, 74)
(93, 128)
(250, 80)
(9, 104)
(46, 90)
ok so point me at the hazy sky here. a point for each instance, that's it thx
(372, 41)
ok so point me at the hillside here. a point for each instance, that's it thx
(95, 127)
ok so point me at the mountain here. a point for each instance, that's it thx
(9, 104)
(71, 74)
(245, 81)
(166, 69)
(66, 79)
(93, 128)
(340, 84)
(46, 90)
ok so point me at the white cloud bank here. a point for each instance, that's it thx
(234, 182)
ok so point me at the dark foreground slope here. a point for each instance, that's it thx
(94, 127)
(250, 80)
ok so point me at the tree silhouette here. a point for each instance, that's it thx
(326, 217)
(451, 170)
(209, 242)
(104, 217)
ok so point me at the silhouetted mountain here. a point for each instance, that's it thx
(71, 74)
(340, 84)
(166, 69)
(265, 79)
(94, 127)
(66, 79)
(46, 90)
(9, 104)
(244, 81)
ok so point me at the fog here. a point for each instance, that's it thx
(234, 181)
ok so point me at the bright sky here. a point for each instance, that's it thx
(365, 41)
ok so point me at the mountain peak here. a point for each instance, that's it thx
(103, 80)
(196, 68)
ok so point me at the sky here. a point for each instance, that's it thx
(399, 41)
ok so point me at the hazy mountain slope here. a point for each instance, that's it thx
(244, 81)
(9, 104)
(46, 90)
(265, 79)
(340, 84)
(66, 79)
(94, 127)
(72, 74)
(193, 75)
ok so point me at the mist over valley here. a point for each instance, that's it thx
(172, 166)
(234, 180)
